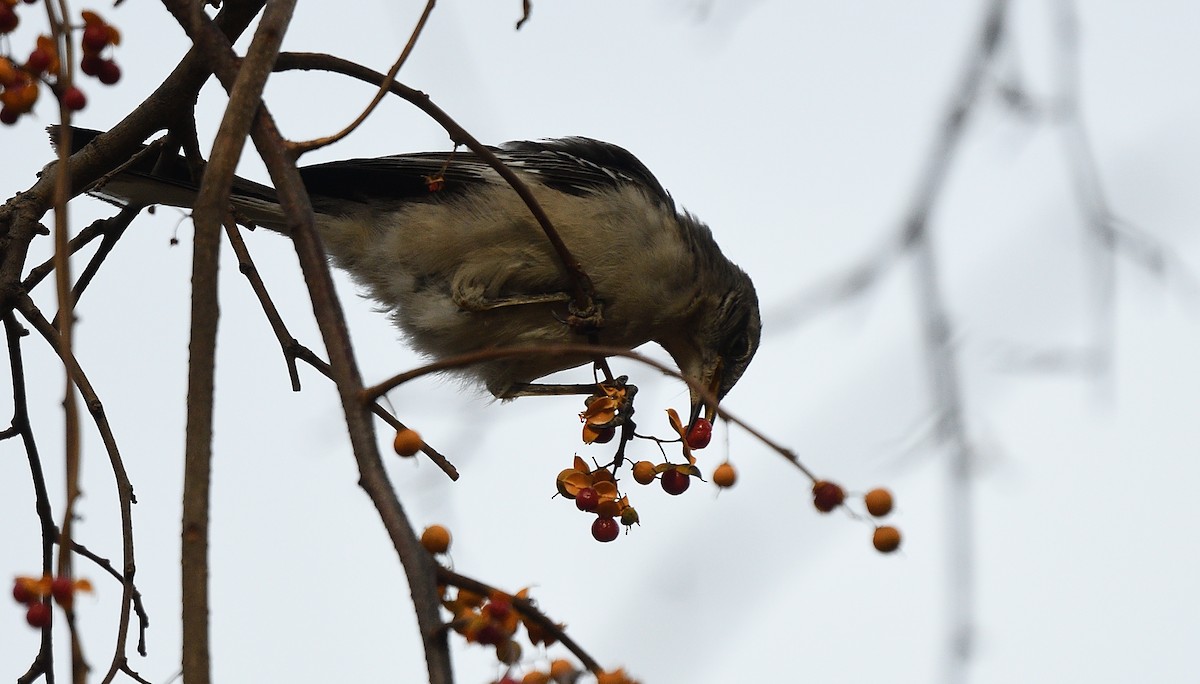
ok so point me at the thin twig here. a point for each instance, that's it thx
(525, 607)
(463, 360)
(293, 350)
(299, 148)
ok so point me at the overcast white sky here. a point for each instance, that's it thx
(797, 130)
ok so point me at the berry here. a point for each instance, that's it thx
(490, 634)
(562, 669)
(604, 435)
(109, 73)
(407, 442)
(675, 482)
(587, 499)
(827, 496)
(8, 18)
(700, 434)
(21, 592)
(725, 475)
(9, 116)
(74, 99)
(95, 37)
(38, 60)
(38, 615)
(63, 590)
(498, 608)
(90, 64)
(886, 539)
(605, 529)
(508, 652)
(643, 472)
(436, 539)
(879, 502)
(535, 677)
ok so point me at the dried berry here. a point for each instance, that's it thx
(827, 495)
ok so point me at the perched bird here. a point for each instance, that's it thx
(456, 257)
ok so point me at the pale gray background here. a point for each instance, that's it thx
(797, 131)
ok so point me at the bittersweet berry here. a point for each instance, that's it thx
(587, 499)
(605, 529)
(675, 482)
(38, 614)
(827, 495)
(879, 502)
(109, 73)
(407, 442)
(74, 99)
(700, 434)
(436, 539)
(725, 475)
(643, 472)
(886, 539)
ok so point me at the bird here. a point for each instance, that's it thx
(454, 256)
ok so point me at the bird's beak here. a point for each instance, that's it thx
(711, 379)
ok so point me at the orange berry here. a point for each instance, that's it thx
(407, 442)
(562, 670)
(643, 472)
(827, 495)
(887, 539)
(436, 539)
(725, 475)
(878, 501)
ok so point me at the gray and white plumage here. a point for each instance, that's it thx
(466, 266)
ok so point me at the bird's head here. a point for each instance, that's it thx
(719, 341)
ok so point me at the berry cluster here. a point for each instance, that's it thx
(878, 502)
(20, 82)
(34, 594)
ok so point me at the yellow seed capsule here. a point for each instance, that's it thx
(887, 539)
(436, 539)
(643, 472)
(407, 442)
(725, 475)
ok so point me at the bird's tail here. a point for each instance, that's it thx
(149, 179)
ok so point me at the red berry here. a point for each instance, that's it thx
(827, 496)
(63, 590)
(700, 434)
(9, 116)
(604, 435)
(109, 72)
(74, 99)
(587, 499)
(21, 592)
(90, 64)
(38, 60)
(95, 37)
(498, 609)
(490, 634)
(605, 529)
(8, 18)
(675, 482)
(38, 614)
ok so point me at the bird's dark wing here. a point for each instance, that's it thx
(577, 166)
